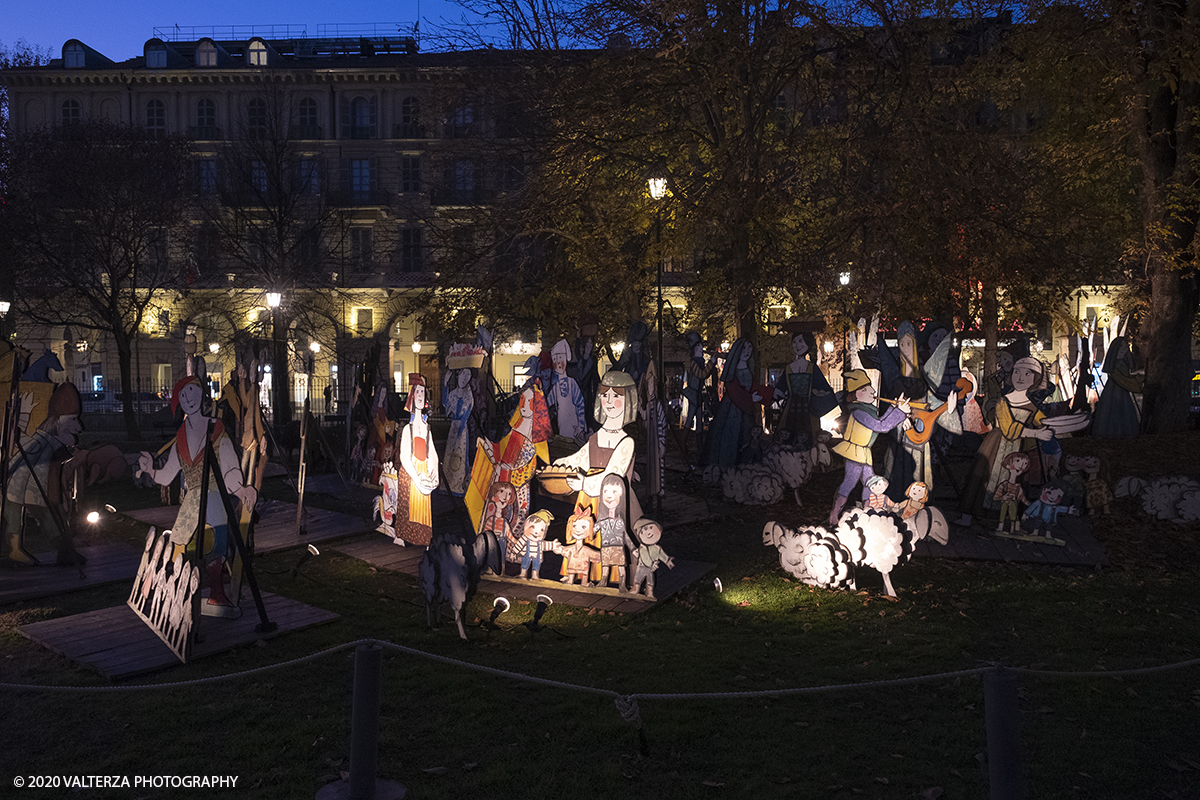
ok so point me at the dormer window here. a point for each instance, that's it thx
(257, 54)
(73, 56)
(156, 56)
(206, 54)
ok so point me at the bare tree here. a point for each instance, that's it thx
(90, 214)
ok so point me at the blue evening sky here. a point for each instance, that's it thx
(119, 28)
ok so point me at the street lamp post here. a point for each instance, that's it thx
(658, 190)
(844, 280)
(281, 406)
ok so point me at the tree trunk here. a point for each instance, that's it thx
(1166, 344)
(989, 314)
(125, 364)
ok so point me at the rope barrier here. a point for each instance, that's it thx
(626, 704)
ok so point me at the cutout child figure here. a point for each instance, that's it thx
(579, 554)
(614, 532)
(1073, 481)
(609, 451)
(527, 550)
(382, 432)
(1009, 491)
(568, 398)
(187, 456)
(514, 457)
(863, 426)
(916, 496)
(387, 502)
(877, 486)
(806, 394)
(648, 556)
(418, 475)
(496, 516)
(1018, 427)
(1099, 494)
(1042, 515)
(738, 413)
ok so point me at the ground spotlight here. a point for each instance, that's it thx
(309, 553)
(93, 517)
(543, 602)
(499, 606)
(109, 509)
(717, 585)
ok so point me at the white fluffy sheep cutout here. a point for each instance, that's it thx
(1175, 497)
(782, 468)
(813, 555)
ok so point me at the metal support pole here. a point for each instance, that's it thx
(1003, 725)
(364, 734)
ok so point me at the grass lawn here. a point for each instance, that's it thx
(448, 732)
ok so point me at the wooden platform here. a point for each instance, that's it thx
(276, 528)
(1081, 548)
(106, 563)
(117, 644)
(379, 552)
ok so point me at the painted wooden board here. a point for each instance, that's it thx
(276, 528)
(106, 563)
(380, 552)
(115, 643)
(1082, 549)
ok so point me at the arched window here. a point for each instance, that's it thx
(73, 56)
(257, 54)
(256, 118)
(206, 54)
(410, 119)
(156, 119)
(72, 113)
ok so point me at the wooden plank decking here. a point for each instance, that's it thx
(1081, 548)
(106, 563)
(276, 528)
(381, 553)
(117, 644)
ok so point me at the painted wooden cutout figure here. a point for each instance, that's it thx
(877, 499)
(249, 429)
(584, 367)
(30, 490)
(1019, 428)
(916, 496)
(1117, 414)
(903, 373)
(648, 556)
(187, 456)
(568, 398)
(610, 450)
(496, 527)
(388, 500)
(1042, 514)
(863, 425)
(460, 406)
(697, 371)
(162, 593)
(655, 417)
(614, 532)
(380, 438)
(738, 413)
(527, 549)
(635, 358)
(514, 458)
(803, 388)
(1099, 493)
(1009, 492)
(418, 474)
(449, 571)
(580, 553)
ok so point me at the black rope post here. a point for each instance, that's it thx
(364, 734)
(1003, 724)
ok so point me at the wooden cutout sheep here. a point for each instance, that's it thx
(450, 569)
(879, 540)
